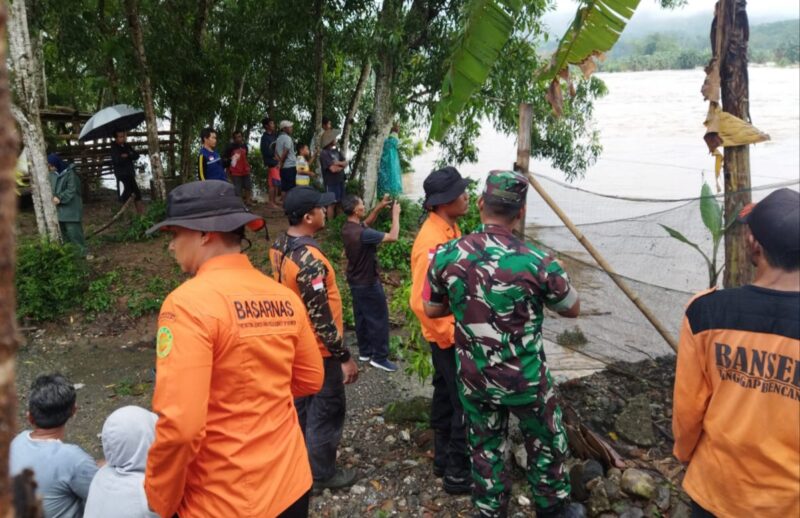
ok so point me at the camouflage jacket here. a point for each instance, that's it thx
(496, 286)
(310, 277)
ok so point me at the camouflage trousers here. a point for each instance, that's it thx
(545, 442)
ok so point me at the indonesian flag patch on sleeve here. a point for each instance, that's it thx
(318, 283)
(431, 253)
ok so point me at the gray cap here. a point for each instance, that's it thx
(207, 206)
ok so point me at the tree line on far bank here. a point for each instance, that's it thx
(777, 42)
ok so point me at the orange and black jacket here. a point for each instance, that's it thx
(736, 415)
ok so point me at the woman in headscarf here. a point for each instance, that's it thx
(389, 180)
(67, 197)
(118, 487)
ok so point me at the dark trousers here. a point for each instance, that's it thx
(322, 419)
(447, 415)
(699, 512)
(129, 186)
(299, 509)
(72, 232)
(372, 320)
(288, 178)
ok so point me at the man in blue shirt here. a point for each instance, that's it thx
(63, 471)
(210, 166)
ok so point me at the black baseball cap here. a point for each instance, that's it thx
(443, 186)
(207, 206)
(775, 221)
(300, 200)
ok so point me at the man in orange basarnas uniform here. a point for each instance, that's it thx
(299, 264)
(446, 200)
(736, 415)
(233, 349)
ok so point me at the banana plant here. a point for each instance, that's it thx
(713, 219)
(488, 27)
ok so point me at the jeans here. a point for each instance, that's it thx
(372, 320)
(447, 415)
(321, 418)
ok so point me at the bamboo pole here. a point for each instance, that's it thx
(524, 148)
(618, 280)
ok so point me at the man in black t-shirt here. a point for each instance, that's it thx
(369, 300)
(123, 158)
(333, 164)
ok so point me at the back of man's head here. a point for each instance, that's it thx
(349, 204)
(774, 223)
(52, 401)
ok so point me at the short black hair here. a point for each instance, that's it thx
(237, 132)
(300, 145)
(325, 120)
(498, 209)
(206, 132)
(786, 260)
(295, 218)
(349, 203)
(52, 400)
(265, 122)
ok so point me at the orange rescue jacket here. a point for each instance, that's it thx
(434, 232)
(234, 348)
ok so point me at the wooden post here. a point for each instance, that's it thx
(524, 147)
(735, 100)
(619, 281)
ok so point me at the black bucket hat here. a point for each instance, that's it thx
(207, 206)
(775, 221)
(443, 186)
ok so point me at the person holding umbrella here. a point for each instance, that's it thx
(123, 156)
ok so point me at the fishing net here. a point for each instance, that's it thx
(627, 231)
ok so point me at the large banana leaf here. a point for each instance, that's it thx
(596, 28)
(489, 25)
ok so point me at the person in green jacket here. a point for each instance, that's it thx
(67, 197)
(389, 174)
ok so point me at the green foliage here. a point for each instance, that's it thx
(712, 216)
(596, 28)
(50, 279)
(100, 295)
(488, 26)
(396, 255)
(149, 299)
(413, 349)
(348, 317)
(135, 229)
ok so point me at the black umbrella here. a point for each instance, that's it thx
(108, 121)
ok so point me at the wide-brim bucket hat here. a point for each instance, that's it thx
(207, 206)
(328, 137)
(443, 186)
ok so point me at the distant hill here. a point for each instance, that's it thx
(689, 46)
(651, 42)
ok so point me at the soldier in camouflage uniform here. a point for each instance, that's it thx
(298, 264)
(496, 287)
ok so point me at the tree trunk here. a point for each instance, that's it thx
(160, 187)
(187, 160)
(27, 115)
(355, 103)
(8, 330)
(111, 71)
(382, 114)
(735, 100)
(319, 65)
